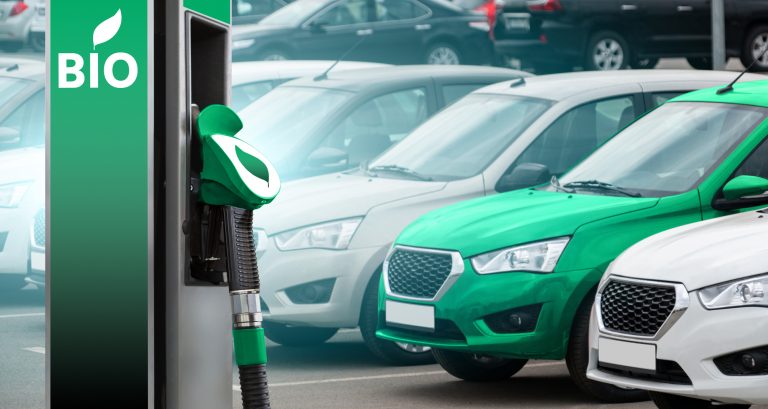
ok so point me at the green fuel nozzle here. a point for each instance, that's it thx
(235, 180)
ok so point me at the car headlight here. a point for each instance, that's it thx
(11, 195)
(743, 293)
(334, 235)
(538, 257)
(240, 44)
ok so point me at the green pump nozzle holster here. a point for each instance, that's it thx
(235, 180)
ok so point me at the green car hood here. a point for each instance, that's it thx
(489, 223)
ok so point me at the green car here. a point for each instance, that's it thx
(493, 282)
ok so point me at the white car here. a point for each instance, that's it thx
(15, 22)
(683, 314)
(252, 79)
(22, 162)
(324, 240)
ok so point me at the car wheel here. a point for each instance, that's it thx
(667, 401)
(700, 63)
(291, 336)
(273, 55)
(37, 42)
(607, 51)
(754, 45)
(396, 353)
(577, 359)
(478, 368)
(443, 54)
(644, 63)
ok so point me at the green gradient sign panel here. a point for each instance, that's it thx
(218, 9)
(98, 202)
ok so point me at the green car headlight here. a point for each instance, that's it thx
(540, 257)
(334, 235)
(748, 292)
(11, 195)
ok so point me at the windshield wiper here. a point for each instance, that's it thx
(596, 184)
(555, 183)
(402, 170)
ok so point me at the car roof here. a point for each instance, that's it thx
(356, 80)
(251, 71)
(558, 87)
(744, 93)
(22, 68)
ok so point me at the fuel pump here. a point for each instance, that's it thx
(235, 180)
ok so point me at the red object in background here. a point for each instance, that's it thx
(544, 5)
(489, 9)
(18, 8)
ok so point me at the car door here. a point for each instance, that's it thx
(672, 27)
(397, 31)
(336, 30)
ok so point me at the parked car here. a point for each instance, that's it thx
(609, 35)
(22, 162)
(252, 80)
(493, 282)
(36, 273)
(324, 243)
(37, 28)
(15, 21)
(253, 11)
(316, 125)
(682, 313)
(390, 31)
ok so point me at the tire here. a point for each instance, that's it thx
(700, 63)
(607, 51)
(478, 368)
(291, 336)
(388, 351)
(753, 45)
(273, 54)
(667, 401)
(644, 63)
(37, 42)
(442, 54)
(577, 360)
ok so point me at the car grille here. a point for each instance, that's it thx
(39, 228)
(636, 309)
(419, 274)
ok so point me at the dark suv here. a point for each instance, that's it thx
(554, 35)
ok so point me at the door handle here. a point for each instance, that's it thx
(422, 27)
(628, 7)
(365, 32)
(684, 8)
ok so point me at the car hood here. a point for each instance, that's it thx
(489, 223)
(701, 254)
(324, 198)
(18, 165)
(257, 31)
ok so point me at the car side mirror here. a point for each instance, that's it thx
(524, 175)
(317, 27)
(743, 191)
(9, 136)
(330, 159)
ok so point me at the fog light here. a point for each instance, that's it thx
(316, 292)
(742, 363)
(514, 321)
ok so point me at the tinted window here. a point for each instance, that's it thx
(577, 133)
(344, 13)
(659, 98)
(757, 163)
(391, 10)
(377, 124)
(452, 93)
(244, 94)
(28, 120)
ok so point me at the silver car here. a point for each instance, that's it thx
(15, 22)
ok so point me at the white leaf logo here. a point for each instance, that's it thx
(107, 29)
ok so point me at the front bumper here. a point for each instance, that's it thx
(693, 341)
(351, 269)
(460, 313)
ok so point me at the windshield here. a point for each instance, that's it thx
(294, 13)
(668, 151)
(462, 140)
(283, 119)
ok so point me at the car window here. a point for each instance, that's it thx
(255, 7)
(28, 120)
(344, 13)
(379, 123)
(756, 164)
(658, 98)
(9, 87)
(244, 94)
(392, 10)
(577, 133)
(454, 92)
